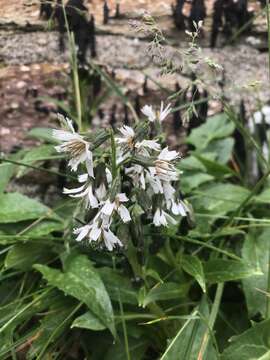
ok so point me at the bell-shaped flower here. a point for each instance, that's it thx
(75, 146)
(160, 115)
(98, 231)
(161, 218)
(165, 170)
(179, 207)
(109, 207)
(128, 137)
(136, 173)
(85, 191)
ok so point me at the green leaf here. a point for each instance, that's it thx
(214, 168)
(116, 284)
(222, 148)
(221, 270)
(17, 207)
(165, 291)
(82, 281)
(256, 252)
(35, 155)
(187, 343)
(216, 127)
(42, 134)
(253, 344)
(264, 197)
(193, 266)
(220, 198)
(24, 256)
(44, 228)
(88, 321)
(6, 172)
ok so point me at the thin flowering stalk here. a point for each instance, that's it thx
(149, 172)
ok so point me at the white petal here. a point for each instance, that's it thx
(63, 135)
(122, 197)
(156, 219)
(168, 155)
(73, 191)
(170, 219)
(149, 112)
(89, 162)
(82, 178)
(95, 233)
(168, 190)
(82, 231)
(164, 112)
(127, 131)
(101, 192)
(110, 240)
(108, 176)
(124, 213)
(151, 144)
(108, 207)
(92, 199)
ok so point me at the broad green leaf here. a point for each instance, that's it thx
(214, 168)
(189, 339)
(42, 134)
(116, 284)
(34, 155)
(216, 127)
(82, 281)
(88, 321)
(221, 270)
(222, 148)
(8, 169)
(220, 198)
(264, 197)
(191, 180)
(16, 207)
(165, 291)
(23, 256)
(6, 172)
(256, 252)
(193, 266)
(253, 344)
(45, 227)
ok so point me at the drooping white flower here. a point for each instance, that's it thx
(150, 144)
(161, 218)
(101, 192)
(148, 111)
(179, 208)
(160, 115)
(85, 191)
(137, 174)
(129, 140)
(154, 181)
(117, 206)
(165, 170)
(97, 231)
(74, 145)
(82, 232)
(128, 136)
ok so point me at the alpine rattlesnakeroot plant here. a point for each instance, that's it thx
(119, 172)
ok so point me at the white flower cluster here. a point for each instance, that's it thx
(148, 168)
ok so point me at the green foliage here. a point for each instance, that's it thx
(82, 281)
(16, 207)
(187, 293)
